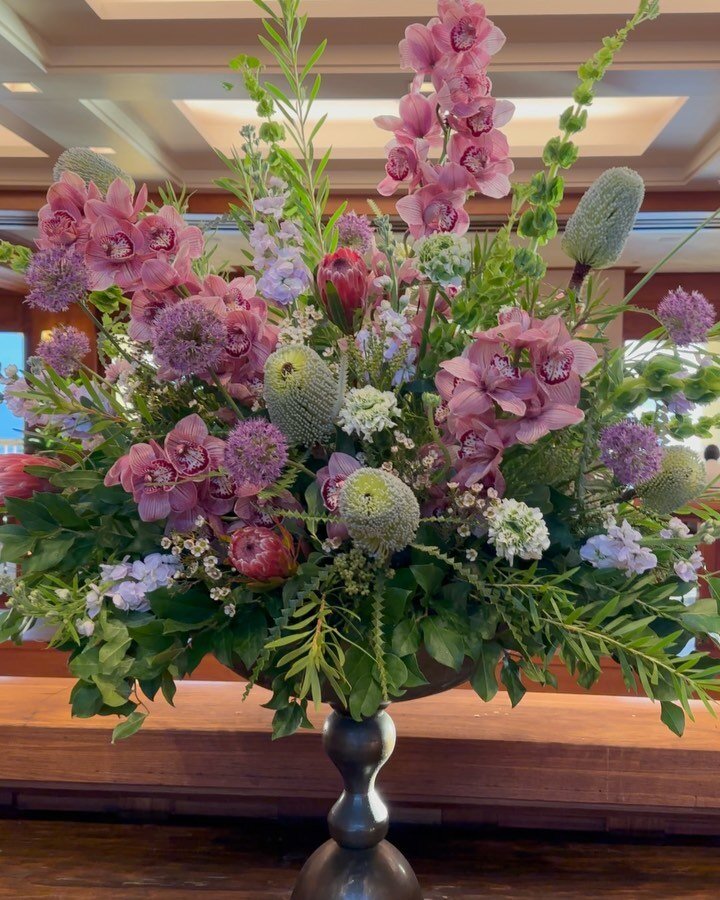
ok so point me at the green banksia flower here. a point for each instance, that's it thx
(680, 480)
(301, 394)
(91, 166)
(381, 512)
(600, 226)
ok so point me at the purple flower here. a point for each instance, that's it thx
(687, 316)
(189, 338)
(619, 549)
(270, 206)
(256, 453)
(680, 405)
(355, 232)
(285, 278)
(687, 569)
(64, 350)
(631, 451)
(57, 279)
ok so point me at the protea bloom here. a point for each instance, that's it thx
(342, 280)
(16, 482)
(262, 555)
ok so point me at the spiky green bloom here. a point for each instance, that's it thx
(381, 512)
(444, 259)
(600, 226)
(91, 166)
(301, 394)
(680, 480)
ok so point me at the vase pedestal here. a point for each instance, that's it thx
(358, 863)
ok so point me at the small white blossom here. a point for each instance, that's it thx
(85, 627)
(676, 528)
(471, 555)
(368, 411)
(516, 529)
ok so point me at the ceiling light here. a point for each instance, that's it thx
(22, 87)
(105, 151)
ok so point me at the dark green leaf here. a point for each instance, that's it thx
(673, 716)
(443, 643)
(130, 726)
(484, 679)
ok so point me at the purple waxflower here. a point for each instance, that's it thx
(687, 316)
(64, 350)
(631, 451)
(355, 232)
(189, 338)
(256, 453)
(57, 279)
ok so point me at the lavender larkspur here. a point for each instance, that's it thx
(687, 316)
(631, 451)
(64, 350)
(57, 279)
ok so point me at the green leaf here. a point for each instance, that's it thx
(86, 700)
(510, 677)
(444, 644)
(15, 543)
(287, 720)
(672, 716)
(365, 697)
(61, 511)
(85, 664)
(188, 607)
(110, 690)
(31, 515)
(50, 553)
(406, 638)
(484, 679)
(129, 727)
(168, 687)
(429, 577)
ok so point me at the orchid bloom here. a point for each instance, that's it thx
(559, 359)
(434, 209)
(459, 92)
(402, 166)
(119, 203)
(486, 160)
(330, 480)
(417, 125)
(418, 50)
(490, 114)
(166, 233)
(62, 220)
(115, 254)
(192, 450)
(464, 29)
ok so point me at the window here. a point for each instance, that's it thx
(12, 352)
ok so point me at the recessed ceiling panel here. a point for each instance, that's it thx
(242, 9)
(12, 144)
(618, 126)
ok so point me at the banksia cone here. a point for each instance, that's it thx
(301, 394)
(680, 480)
(91, 166)
(381, 512)
(600, 226)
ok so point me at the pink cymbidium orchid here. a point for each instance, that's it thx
(486, 159)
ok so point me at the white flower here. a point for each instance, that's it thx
(676, 528)
(687, 569)
(516, 529)
(85, 627)
(368, 411)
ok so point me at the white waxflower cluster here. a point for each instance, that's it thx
(516, 529)
(299, 326)
(368, 411)
(198, 555)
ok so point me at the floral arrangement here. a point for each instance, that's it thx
(374, 449)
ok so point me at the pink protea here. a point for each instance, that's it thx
(262, 555)
(465, 30)
(342, 280)
(417, 125)
(16, 482)
(434, 209)
(166, 233)
(147, 474)
(192, 450)
(402, 167)
(115, 254)
(487, 161)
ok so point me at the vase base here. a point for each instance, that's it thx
(334, 873)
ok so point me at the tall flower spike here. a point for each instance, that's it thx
(600, 226)
(381, 512)
(302, 395)
(91, 166)
(680, 480)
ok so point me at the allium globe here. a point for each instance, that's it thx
(189, 338)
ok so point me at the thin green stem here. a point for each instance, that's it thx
(427, 323)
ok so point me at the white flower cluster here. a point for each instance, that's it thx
(200, 553)
(368, 411)
(299, 326)
(516, 529)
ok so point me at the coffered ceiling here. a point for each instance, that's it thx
(142, 79)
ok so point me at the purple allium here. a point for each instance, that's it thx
(188, 338)
(355, 232)
(687, 316)
(256, 453)
(57, 279)
(64, 350)
(631, 451)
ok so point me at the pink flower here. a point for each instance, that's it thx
(330, 480)
(342, 280)
(147, 474)
(240, 292)
(119, 203)
(559, 360)
(540, 418)
(16, 483)
(262, 555)
(401, 166)
(145, 306)
(62, 220)
(465, 29)
(486, 160)
(115, 253)
(250, 340)
(166, 233)
(160, 281)
(478, 457)
(433, 209)
(461, 92)
(191, 449)
(417, 126)
(491, 113)
(418, 50)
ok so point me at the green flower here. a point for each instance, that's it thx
(444, 259)
(91, 166)
(302, 395)
(380, 512)
(680, 480)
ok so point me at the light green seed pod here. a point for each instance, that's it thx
(301, 394)
(381, 512)
(600, 226)
(680, 480)
(91, 166)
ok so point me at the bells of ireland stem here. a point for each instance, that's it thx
(302, 395)
(342, 281)
(681, 479)
(599, 228)
(91, 166)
